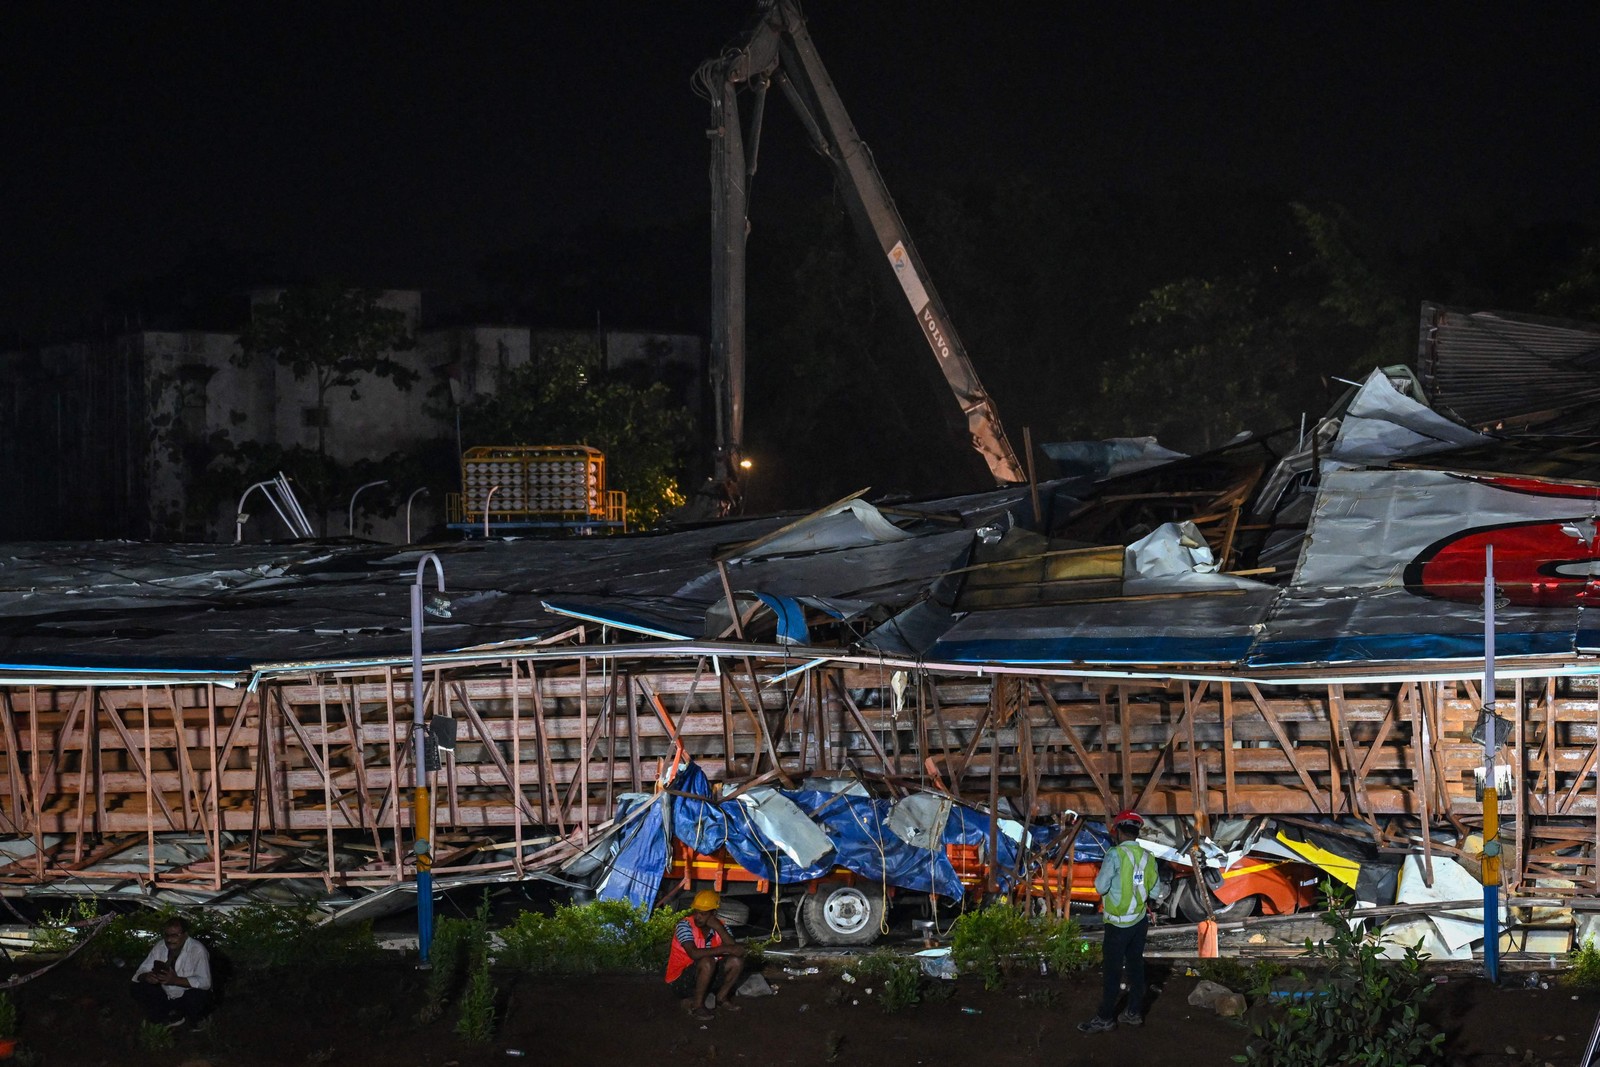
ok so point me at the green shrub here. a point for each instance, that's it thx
(1065, 949)
(606, 935)
(272, 936)
(61, 931)
(902, 986)
(1364, 1010)
(447, 956)
(985, 941)
(123, 940)
(1584, 972)
(898, 979)
(476, 1024)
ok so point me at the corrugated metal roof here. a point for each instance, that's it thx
(1502, 372)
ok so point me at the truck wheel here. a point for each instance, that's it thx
(839, 914)
(1193, 910)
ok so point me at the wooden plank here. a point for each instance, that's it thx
(1283, 742)
(1227, 747)
(1076, 743)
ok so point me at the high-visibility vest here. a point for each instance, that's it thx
(678, 959)
(1136, 875)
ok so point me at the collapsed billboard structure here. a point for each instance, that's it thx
(1248, 632)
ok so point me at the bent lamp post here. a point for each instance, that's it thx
(421, 828)
(350, 524)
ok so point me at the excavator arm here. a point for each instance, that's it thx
(779, 51)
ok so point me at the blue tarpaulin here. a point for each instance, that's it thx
(641, 860)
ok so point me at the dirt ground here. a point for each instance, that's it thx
(367, 1016)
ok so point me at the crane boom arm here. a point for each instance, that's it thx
(781, 50)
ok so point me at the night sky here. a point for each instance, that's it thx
(399, 145)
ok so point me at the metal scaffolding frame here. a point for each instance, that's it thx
(299, 772)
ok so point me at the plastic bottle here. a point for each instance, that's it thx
(515, 1052)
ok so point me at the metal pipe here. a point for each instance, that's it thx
(421, 830)
(350, 523)
(292, 502)
(414, 494)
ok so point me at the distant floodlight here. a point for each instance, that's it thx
(745, 464)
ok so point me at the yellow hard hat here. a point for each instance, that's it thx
(706, 900)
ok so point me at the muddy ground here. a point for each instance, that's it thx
(367, 1015)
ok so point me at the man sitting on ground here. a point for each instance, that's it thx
(173, 984)
(702, 950)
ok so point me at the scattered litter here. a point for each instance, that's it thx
(855, 1003)
(805, 1007)
(755, 986)
(1258, 939)
(971, 1011)
(868, 991)
(848, 977)
(797, 972)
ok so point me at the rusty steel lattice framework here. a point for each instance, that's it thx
(302, 775)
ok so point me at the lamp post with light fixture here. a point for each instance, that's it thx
(421, 827)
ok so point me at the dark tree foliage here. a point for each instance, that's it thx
(338, 338)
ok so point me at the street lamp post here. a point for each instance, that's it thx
(414, 494)
(421, 828)
(350, 524)
(1491, 794)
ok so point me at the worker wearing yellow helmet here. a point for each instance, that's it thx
(702, 952)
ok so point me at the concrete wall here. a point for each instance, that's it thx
(104, 439)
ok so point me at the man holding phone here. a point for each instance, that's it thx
(173, 984)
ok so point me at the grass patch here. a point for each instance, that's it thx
(1254, 978)
(605, 935)
(153, 1037)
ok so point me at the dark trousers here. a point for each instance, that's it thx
(158, 1007)
(1123, 947)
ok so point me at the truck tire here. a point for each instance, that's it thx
(841, 914)
(1193, 909)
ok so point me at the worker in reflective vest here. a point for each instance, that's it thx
(702, 949)
(1128, 876)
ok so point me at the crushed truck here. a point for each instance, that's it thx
(836, 854)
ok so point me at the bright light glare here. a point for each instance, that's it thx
(745, 464)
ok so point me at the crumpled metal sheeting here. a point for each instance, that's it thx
(1520, 371)
(1201, 629)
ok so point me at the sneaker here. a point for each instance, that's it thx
(1097, 1025)
(1129, 1018)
